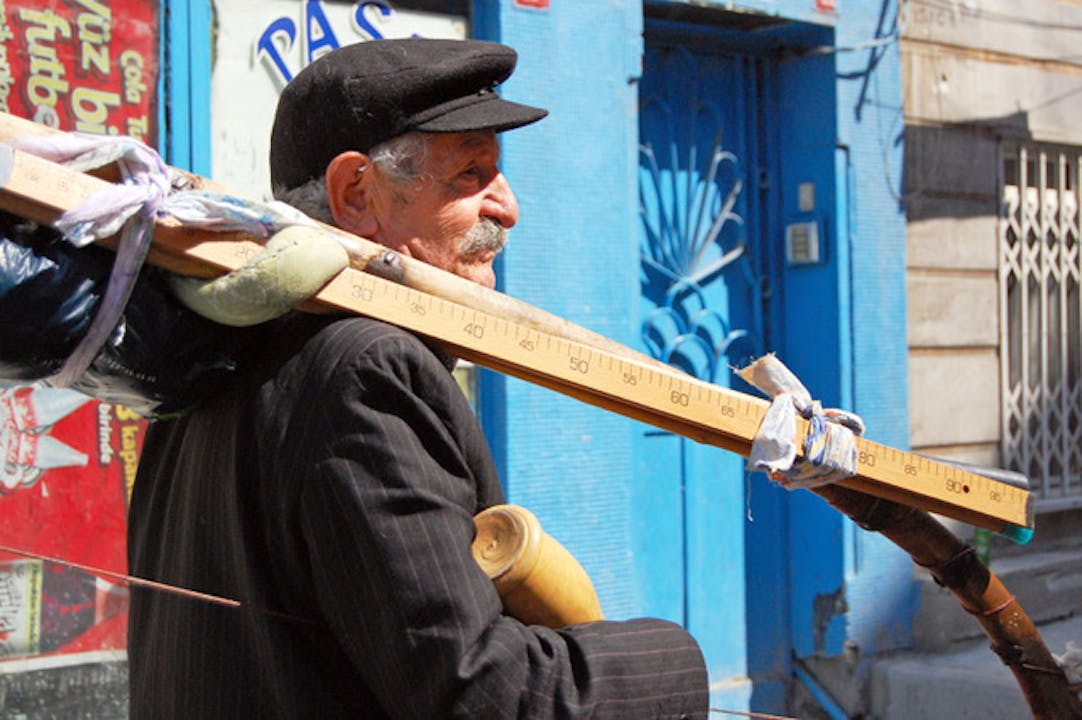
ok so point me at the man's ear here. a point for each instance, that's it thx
(347, 193)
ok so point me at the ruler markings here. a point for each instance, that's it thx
(680, 395)
(666, 398)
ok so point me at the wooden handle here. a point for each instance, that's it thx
(539, 581)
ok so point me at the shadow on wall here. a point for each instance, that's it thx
(952, 171)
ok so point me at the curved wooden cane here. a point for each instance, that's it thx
(541, 583)
(955, 565)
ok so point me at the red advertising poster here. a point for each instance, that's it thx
(68, 462)
(86, 65)
(68, 466)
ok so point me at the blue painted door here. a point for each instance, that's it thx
(704, 161)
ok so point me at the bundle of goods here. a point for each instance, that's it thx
(160, 358)
(75, 315)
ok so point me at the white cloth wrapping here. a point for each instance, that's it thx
(830, 452)
(152, 186)
(146, 181)
(1071, 662)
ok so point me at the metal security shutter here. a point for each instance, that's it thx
(1040, 310)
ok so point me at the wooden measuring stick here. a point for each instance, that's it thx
(479, 326)
(415, 273)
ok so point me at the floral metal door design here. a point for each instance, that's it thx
(701, 308)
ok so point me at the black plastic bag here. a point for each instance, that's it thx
(159, 360)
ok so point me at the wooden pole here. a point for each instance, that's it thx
(509, 336)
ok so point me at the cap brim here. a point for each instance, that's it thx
(489, 112)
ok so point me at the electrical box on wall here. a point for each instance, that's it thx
(802, 243)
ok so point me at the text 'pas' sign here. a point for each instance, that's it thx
(286, 45)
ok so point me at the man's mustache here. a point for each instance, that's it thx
(486, 236)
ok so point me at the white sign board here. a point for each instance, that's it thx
(261, 44)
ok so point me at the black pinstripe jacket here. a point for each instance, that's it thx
(332, 492)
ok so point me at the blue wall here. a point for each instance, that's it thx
(869, 92)
(574, 253)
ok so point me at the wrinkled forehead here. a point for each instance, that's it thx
(452, 148)
(467, 142)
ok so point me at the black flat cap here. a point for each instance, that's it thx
(359, 96)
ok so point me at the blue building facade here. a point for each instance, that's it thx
(716, 180)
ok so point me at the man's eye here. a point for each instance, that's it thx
(469, 180)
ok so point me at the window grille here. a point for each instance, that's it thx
(1040, 310)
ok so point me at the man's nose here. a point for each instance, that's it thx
(500, 203)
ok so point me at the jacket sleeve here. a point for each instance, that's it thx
(387, 518)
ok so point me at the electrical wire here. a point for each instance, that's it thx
(900, 20)
(758, 716)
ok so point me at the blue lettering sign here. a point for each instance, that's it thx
(364, 25)
(319, 30)
(279, 39)
(267, 48)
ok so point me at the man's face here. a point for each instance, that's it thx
(456, 217)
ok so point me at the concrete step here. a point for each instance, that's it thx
(1048, 586)
(967, 683)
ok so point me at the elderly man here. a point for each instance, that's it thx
(331, 490)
